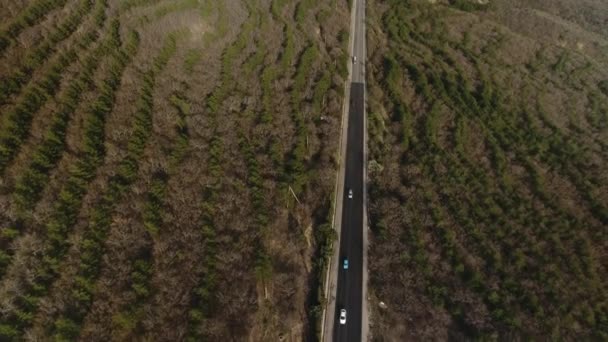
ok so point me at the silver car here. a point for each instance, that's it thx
(343, 316)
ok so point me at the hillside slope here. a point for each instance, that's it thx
(488, 131)
(148, 154)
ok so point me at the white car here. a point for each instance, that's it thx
(354, 59)
(350, 193)
(343, 316)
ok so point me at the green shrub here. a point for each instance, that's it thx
(8, 332)
(276, 7)
(19, 119)
(13, 83)
(65, 210)
(288, 52)
(30, 184)
(193, 57)
(320, 92)
(30, 16)
(92, 246)
(603, 86)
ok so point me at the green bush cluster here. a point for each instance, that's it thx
(298, 173)
(92, 247)
(597, 114)
(437, 292)
(302, 72)
(268, 76)
(17, 123)
(431, 125)
(325, 236)
(276, 7)
(603, 86)
(30, 16)
(492, 213)
(393, 76)
(256, 59)
(516, 279)
(203, 302)
(153, 211)
(288, 52)
(7, 234)
(560, 64)
(206, 8)
(296, 169)
(13, 83)
(68, 203)
(322, 86)
(32, 181)
(181, 104)
(302, 9)
(222, 24)
(126, 321)
(18, 120)
(193, 57)
(255, 182)
(219, 93)
(153, 208)
(343, 36)
(10, 140)
(555, 149)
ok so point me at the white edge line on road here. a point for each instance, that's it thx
(364, 295)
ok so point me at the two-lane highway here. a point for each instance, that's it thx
(349, 294)
(359, 46)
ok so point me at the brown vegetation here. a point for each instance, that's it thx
(146, 154)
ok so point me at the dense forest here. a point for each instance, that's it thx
(488, 126)
(167, 167)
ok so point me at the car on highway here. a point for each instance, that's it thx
(343, 316)
(350, 193)
(354, 59)
(345, 264)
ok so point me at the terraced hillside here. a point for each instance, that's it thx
(488, 131)
(151, 153)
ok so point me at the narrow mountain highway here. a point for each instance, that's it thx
(349, 294)
(358, 71)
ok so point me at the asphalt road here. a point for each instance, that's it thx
(358, 71)
(349, 293)
(351, 241)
